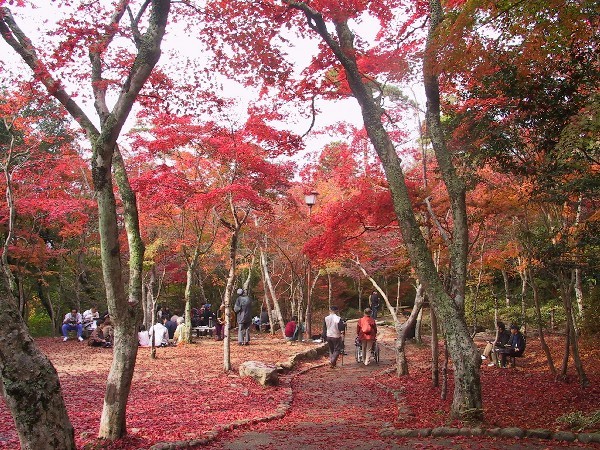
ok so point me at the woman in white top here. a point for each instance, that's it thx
(143, 337)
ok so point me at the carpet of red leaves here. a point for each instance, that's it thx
(184, 392)
(178, 396)
(525, 396)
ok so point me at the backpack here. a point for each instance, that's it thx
(367, 328)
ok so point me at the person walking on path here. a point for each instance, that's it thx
(243, 309)
(366, 329)
(374, 302)
(333, 332)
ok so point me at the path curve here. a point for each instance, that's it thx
(342, 408)
(346, 408)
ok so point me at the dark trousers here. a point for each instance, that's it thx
(336, 346)
(244, 333)
(506, 352)
(219, 330)
(374, 310)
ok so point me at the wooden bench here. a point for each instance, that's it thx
(203, 331)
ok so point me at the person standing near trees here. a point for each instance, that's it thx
(374, 302)
(243, 309)
(366, 329)
(220, 325)
(333, 333)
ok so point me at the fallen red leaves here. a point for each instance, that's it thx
(185, 393)
(526, 396)
(178, 396)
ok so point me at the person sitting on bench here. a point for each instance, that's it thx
(502, 339)
(515, 346)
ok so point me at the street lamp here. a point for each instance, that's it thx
(310, 199)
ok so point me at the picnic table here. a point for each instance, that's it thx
(203, 331)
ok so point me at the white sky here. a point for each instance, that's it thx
(177, 39)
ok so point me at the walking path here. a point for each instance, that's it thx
(345, 408)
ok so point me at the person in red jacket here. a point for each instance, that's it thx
(366, 329)
(291, 329)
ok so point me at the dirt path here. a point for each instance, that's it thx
(331, 407)
(344, 408)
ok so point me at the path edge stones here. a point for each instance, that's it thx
(282, 409)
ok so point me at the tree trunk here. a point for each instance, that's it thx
(123, 307)
(123, 313)
(418, 330)
(227, 300)
(309, 304)
(538, 315)
(189, 279)
(398, 296)
(435, 350)
(565, 361)
(401, 362)
(566, 289)
(271, 289)
(359, 290)
(506, 287)
(329, 289)
(444, 390)
(393, 313)
(465, 356)
(523, 275)
(579, 295)
(30, 384)
(31, 387)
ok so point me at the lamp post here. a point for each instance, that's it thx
(310, 199)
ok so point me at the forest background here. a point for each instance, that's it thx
(219, 194)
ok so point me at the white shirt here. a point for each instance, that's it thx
(88, 319)
(331, 323)
(70, 317)
(161, 334)
(144, 339)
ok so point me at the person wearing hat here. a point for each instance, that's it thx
(515, 346)
(243, 309)
(333, 332)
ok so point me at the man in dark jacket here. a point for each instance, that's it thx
(171, 326)
(515, 346)
(243, 309)
(374, 303)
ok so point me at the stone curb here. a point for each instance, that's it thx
(281, 410)
(404, 413)
(508, 433)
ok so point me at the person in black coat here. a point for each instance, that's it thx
(171, 327)
(492, 347)
(515, 346)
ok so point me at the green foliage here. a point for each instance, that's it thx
(39, 323)
(579, 421)
(551, 312)
(352, 313)
(591, 318)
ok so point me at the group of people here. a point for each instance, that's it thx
(97, 327)
(507, 344)
(172, 330)
(165, 331)
(334, 328)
